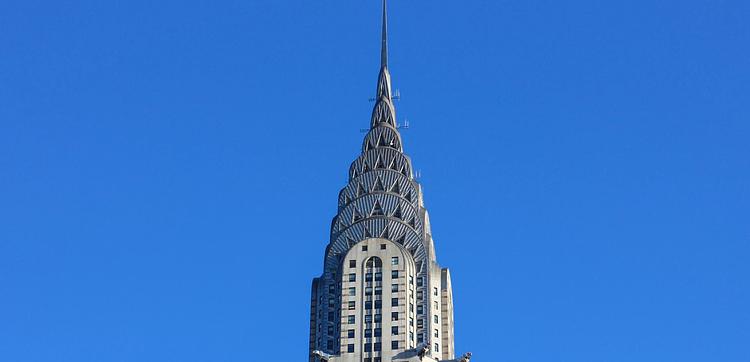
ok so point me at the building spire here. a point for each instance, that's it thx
(384, 113)
(384, 46)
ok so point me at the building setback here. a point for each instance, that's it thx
(382, 295)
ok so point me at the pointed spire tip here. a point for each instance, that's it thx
(384, 46)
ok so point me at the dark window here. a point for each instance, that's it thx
(378, 318)
(394, 260)
(378, 332)
(368, 347)
(420, 281)
(368, 305)
(436, 318)
(350, 348)
(376, 346)
(382, 246)
(350, 333)
(420, 338)
(364, 247)
(394, 288)
(394, 345)
(378, 304)
(368, 318)
(330, 330)
(378, 290)
(330, 344)
(378, 276)
(368, 333)
(436, 333)
(436, 292)
(420, 309)
(394, 316)
(352, 305)
(352, 277)
(350, 319)
(352, 291)
(437, 348)
(394, 274)
(394, 302)
(394, 330)
(420, 295)
(352, 263)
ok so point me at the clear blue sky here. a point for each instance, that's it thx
(169, 169)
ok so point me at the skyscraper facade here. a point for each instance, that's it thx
(382, 295)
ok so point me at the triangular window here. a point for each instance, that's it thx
(377, 210)
(396, 189)
(386, 234)
(365, 166)
(413, 222)
(379, 163)
(398, 213)
(360, 190)
(356, 216)
(367, 233)
(378, 185)
(408, 196)
(382, 141)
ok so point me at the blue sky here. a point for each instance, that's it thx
(170, 169)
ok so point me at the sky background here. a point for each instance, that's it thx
(169, 170)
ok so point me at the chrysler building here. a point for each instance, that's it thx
(382, 295)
